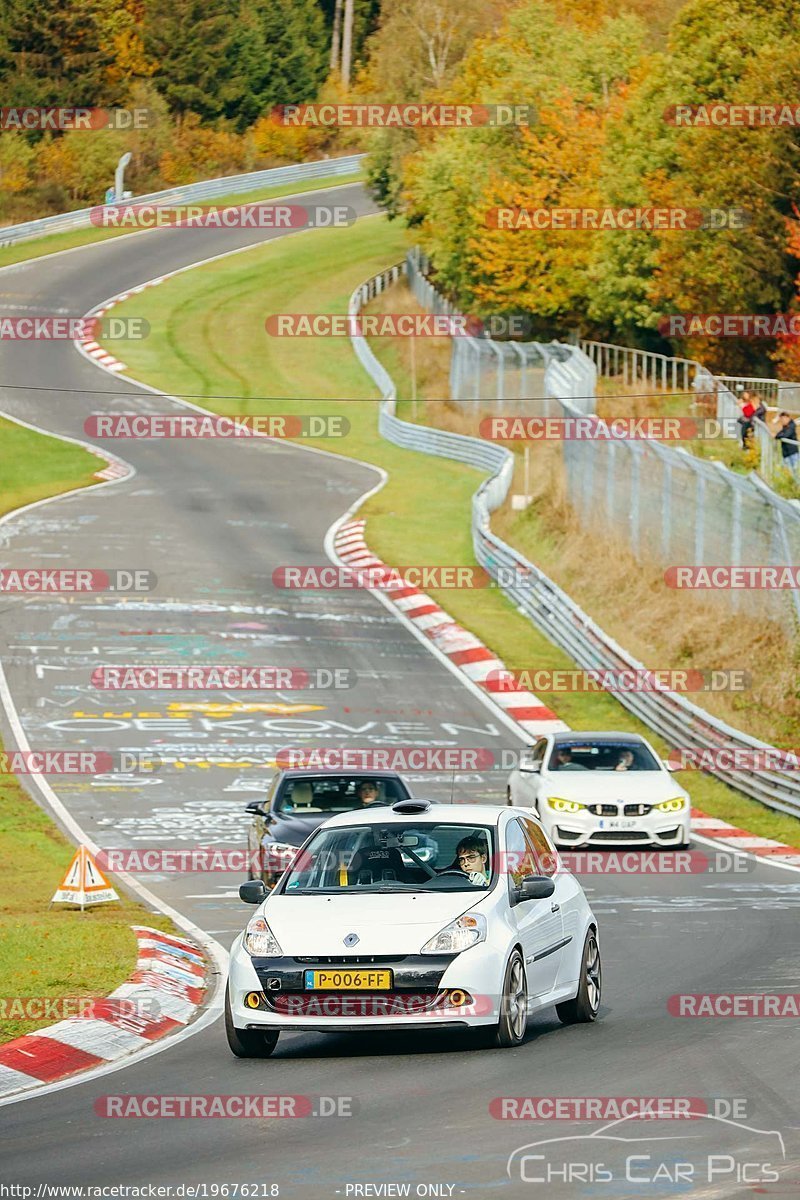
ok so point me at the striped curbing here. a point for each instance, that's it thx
(162, 995)
(116, 469)
(460, 646)
(741, 839)
(534, 718)
(94, 350)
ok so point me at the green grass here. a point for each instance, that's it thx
(33, 465)
(48, 952)
(422, 515)
(52, 243)
(59, 951)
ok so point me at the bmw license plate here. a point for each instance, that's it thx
(618, 823)
(337, 980)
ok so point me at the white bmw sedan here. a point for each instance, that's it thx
(417, 916)
(600, 789)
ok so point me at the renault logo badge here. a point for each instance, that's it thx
(352, 939)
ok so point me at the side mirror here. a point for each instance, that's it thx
(252, 892)
(669, 765)
(531, 766)
(256, 808)
(536, 887)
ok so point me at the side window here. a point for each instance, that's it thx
(519, 858)
(545, 853)
(539, 750)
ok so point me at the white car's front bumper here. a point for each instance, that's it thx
(478, 972)
(583, 828)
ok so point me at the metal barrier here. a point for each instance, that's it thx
(635, 366)
(684, 509)
(681, 723)
(685, 374)
(208, 189)
(503, 375)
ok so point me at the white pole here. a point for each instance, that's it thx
(119, 177)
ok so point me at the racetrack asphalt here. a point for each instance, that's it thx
(213, 519)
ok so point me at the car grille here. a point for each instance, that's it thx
(618, 835)
(355, 1004)
(613, 810)
(340, 960)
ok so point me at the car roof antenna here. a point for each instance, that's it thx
(452, 785)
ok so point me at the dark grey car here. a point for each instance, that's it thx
(297, 801)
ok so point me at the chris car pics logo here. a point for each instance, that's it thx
(635, 1152)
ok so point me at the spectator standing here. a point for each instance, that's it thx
(746, 419)
(787, 436)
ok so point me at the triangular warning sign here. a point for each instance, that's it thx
(84, 882)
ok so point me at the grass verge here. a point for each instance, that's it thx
(422, 515)
(52, 243)
(33, 466)
(50, 952)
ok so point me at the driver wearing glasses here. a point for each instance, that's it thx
(473, 858)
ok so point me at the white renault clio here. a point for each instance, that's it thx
(417, 916)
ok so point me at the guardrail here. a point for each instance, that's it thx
(504, 375)
(207, 189)
(686, 374)
(560, 619)
(693, 510)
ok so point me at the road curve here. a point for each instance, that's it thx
(213, 519)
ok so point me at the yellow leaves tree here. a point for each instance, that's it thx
(202, 152)
(121, 25)
(787, 354)
(544, 271)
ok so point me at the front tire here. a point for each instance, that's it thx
(585, 1006)
(510, 1029)
(248, 1043)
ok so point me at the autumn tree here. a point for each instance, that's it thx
(571, 79)
(55, 54)
(414, 56)
(741, 52)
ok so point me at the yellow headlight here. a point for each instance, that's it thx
(674, 805)
(564, 805)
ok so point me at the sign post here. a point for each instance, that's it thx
(84, 883)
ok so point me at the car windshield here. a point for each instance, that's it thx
(395, 857)
(307, 796)
(601, 756)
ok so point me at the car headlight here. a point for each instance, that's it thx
(260, 941)
(673, 805)
(459, 935)
(279, 854)
(560, 805)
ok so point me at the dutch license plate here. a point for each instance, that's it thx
(617, 823)
(337, 980)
